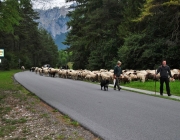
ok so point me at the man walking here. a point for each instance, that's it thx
(164, 73)
(117, 73)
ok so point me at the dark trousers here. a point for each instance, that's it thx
(166, 80)
(117, 83)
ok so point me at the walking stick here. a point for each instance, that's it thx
(155, 81)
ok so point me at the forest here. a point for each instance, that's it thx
(138, 33)
(24, 43)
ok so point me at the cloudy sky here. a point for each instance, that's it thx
(49, 4)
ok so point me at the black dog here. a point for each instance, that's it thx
(104, 83)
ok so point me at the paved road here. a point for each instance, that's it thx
(113, 115)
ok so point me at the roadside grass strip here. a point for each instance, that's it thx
(150, 86)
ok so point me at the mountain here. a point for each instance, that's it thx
(53, 18)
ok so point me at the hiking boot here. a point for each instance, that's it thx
(169, 94)
(119, 88)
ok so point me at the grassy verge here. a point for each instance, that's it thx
(6, 82)
(150, 85)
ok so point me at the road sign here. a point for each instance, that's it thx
(1, 52)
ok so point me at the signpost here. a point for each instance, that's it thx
(19, 63)
(1, 52)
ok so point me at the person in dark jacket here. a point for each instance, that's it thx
(117, 74)
(165, 72)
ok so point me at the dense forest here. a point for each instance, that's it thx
(139, 33)
(23, 42)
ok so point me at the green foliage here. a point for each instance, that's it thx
(22, 41)
(131, 10)
(141, 52)
(63, 58)
(102, 32)
(93, 38)
(139, 33)
(9, 15)
(155, 39)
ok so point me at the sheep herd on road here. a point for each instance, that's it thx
(103, 74)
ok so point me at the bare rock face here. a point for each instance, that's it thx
(54, 20)
(53, 17)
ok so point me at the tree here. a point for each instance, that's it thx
(94, 31)
(9, 15)
(25, 42)
(157, 36)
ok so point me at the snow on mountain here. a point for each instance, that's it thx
(50, 4)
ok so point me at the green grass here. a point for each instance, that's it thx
(5, 130)
(6, 80)
(68, 120)
(150, 85)
(7, 88)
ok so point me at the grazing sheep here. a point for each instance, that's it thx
(151, 76)
(40, 71)
(36, 70)
(22, 68)
(111, 70)
(141, 77)
(171, 79)
(176, 76)
(45, 71)
(73, 74)
(64, 73)
(92, 77)
(32, 69)
(84, 73)
(133, 76)
(52, 72)
(59, 73)
(105, 76)
(125, 78)
(103, 70)
(78, 74)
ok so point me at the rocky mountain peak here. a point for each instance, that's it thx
(53, 17)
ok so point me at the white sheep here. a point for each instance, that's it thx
(133, 76)
(45, 71)
(105, 76)
(64, 73)
(103, 70)
(141, 77)
(22, 68)
(91, 76)
(125, 78)
(84, 73)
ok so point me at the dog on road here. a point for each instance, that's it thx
(104, 83)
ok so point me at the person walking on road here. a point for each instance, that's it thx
(117, 74)
(165, 72)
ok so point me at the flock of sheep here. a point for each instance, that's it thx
(103, 74)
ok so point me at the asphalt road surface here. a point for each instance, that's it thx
(113, 115)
